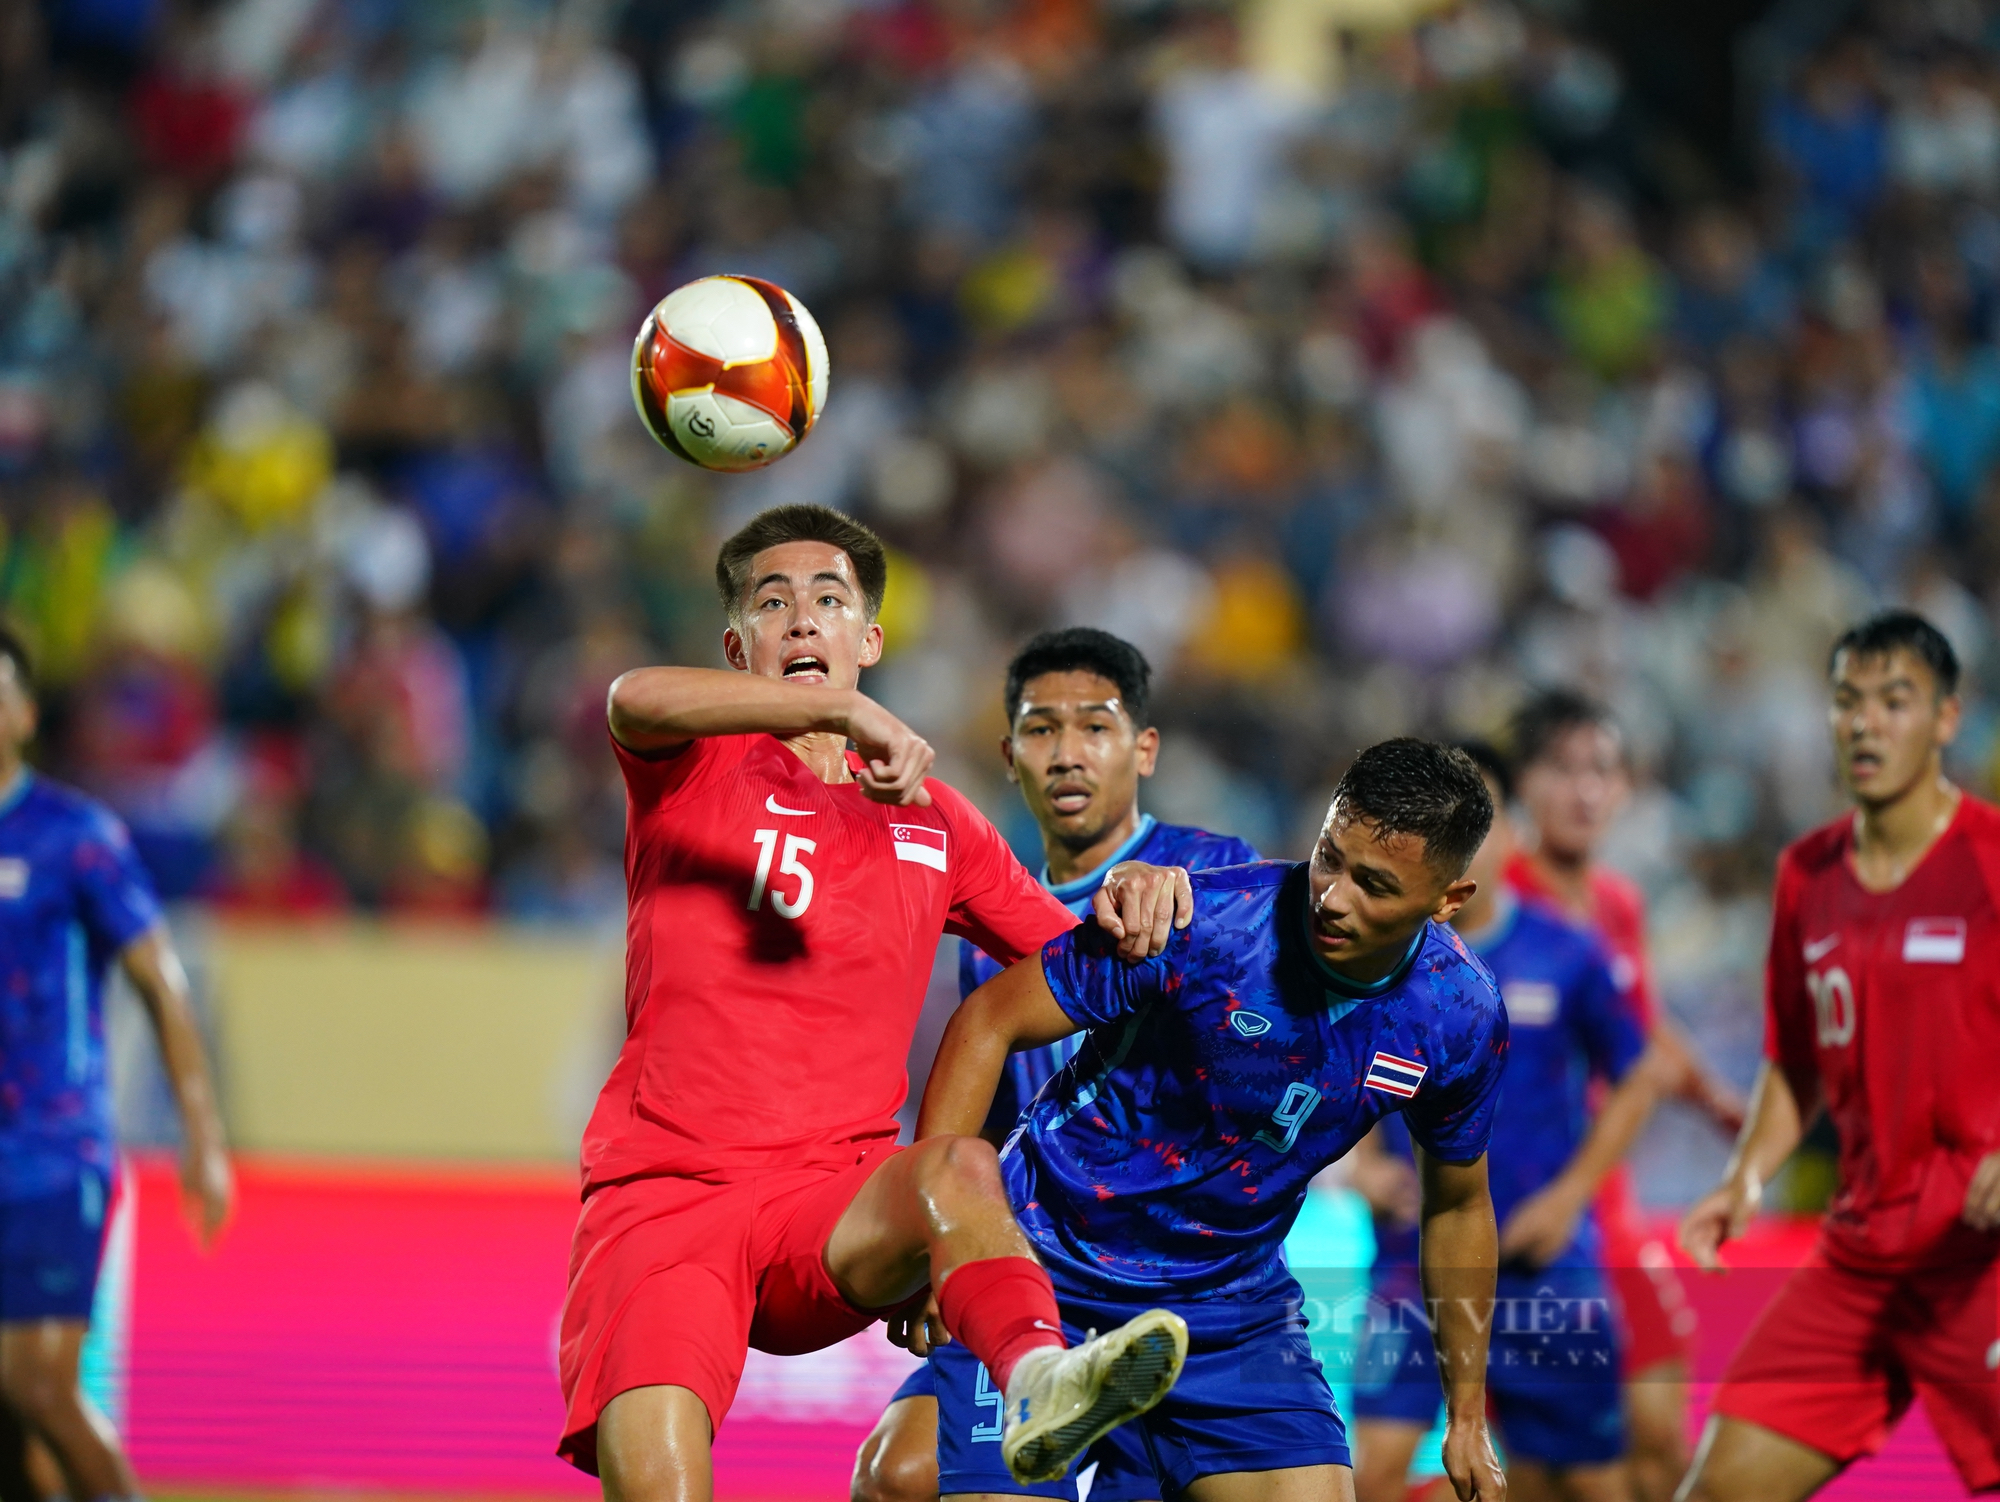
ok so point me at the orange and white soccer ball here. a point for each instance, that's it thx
(729, 372)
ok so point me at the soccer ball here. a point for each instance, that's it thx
(729, 372)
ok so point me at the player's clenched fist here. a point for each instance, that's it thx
(1719, 1216)
(1470, 1464)
(1141, 906)
(895, 758)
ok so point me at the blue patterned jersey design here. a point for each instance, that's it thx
(1172, 1154)
(1569, 1026)
(1153, 842)
(72, 894)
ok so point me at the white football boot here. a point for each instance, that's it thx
(1060, 1401)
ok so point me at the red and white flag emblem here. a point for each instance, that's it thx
(1934, 941)
(919, 843)
(1396, 1076)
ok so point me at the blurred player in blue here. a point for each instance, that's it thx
(1078, 745)
(1166, 1162)
(73, 900)
(1554, 1367)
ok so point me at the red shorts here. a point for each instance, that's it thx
(672, 1280)
(1836, 1358)
(1653, 1308)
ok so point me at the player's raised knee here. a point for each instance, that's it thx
(885, 1471)
(951, 1166)
(39, 1391)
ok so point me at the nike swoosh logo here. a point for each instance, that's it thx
(776, 807)
(1042, 1324)
(1821, 948)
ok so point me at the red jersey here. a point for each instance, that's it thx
(1885, 1008)
(779, 939)
(1617, 914)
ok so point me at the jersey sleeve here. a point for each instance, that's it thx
(114, 894)
(994, 901)
(655, 781)
(1094, 986)
(1788, 1031)
(1603, 1021)
(1453, 1120)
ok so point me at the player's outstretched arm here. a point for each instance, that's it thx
(208, 1188)
(1459, 1257)
(653, 710)
(1687, 1076)
(1773, 1129)
(1545, 1223)
(1014, 1010)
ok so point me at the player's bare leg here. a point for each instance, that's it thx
(1531, 1481)
(920, 1217)
(1383, 1450)
(38, 1381)
(1656, 1409)
(653, 1445)
(898, 1461)
(1738, 1461)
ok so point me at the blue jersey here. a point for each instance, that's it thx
(1172, 1154)
(1153, 842)
(1570, 1025)
(72, 894)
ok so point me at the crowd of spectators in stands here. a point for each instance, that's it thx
(1365, 364)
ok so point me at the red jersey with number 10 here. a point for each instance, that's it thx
(1885, 1006)
(780, 934)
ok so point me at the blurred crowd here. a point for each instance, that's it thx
(1364, 361)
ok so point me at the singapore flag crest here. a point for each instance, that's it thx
(919, 843)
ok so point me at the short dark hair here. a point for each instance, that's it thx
(16, 651)
(783, 524)
(1550, 715)
(1414, 787)
(1486, 756)
(1900, 630)
(1083, 649)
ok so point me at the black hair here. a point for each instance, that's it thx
(1900, 630)
(1486, 756)
(1550, 715)
(1083, 649)
(1413, 787)
(15, 651)
(783, 524)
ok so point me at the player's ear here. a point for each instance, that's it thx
(871, 644)
(734, 649)
(1454, 897)
(1007, 755)
(1951, 713)
(1148, 742)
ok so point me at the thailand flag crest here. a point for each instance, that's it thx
(919, 843)
(1396, 1076)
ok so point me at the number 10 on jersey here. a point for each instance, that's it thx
(788, 865)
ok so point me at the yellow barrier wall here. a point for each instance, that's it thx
(366, 1040)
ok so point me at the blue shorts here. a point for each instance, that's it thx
(49, 1250)
(1251, 1398)
(1124, 1473)
(1552, 1364)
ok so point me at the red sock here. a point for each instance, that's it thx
(1001, 1308)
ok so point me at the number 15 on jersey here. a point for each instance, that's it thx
(788, 865)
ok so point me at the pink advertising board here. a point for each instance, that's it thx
(394, 1330)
